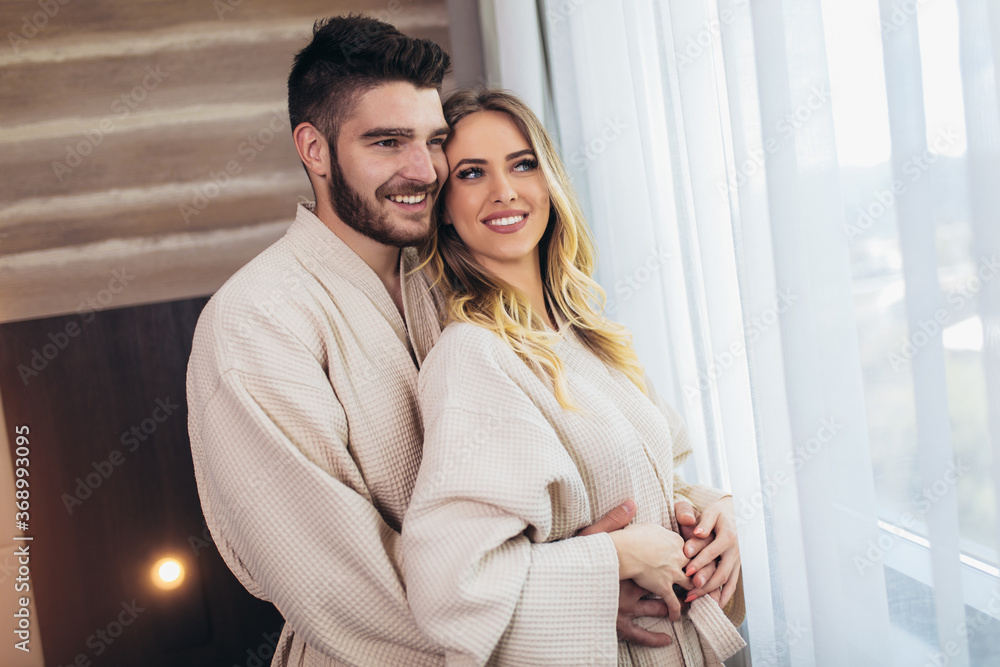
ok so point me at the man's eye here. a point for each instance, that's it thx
(436, 141)
(470, 172)
(388, 143)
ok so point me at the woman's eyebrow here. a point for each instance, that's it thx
(517, 154)
(480, 161)
(468, 160)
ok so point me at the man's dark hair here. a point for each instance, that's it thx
(350, 55)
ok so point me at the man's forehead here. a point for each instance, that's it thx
(399, 105)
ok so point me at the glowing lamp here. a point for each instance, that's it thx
(167, 574)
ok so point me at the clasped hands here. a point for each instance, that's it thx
(708, 563)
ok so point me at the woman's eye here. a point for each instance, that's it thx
(471, 172)
(526, 165)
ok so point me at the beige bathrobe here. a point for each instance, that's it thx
(306, 441)
(493, 570)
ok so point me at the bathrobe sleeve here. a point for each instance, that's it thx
(482, 577)
(284, 500)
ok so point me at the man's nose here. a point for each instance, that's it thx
(419, 166)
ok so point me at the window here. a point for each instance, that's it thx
(796, 210)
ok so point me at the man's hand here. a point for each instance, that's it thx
(713, 536)
(616, 519)
(630, 602)
(632, 606)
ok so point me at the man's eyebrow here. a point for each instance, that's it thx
(405, 132)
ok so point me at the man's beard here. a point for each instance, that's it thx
(365, 218)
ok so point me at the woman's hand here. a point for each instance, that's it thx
(653, 557)
(714, 537)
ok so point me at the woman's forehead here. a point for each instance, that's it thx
(485, 132)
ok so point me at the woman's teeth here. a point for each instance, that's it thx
(504, 222)
(408, 199)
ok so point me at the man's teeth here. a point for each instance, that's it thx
(503, 222)
(408, 199)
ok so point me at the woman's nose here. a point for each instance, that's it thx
(504, 191)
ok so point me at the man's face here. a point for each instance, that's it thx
(390, 164)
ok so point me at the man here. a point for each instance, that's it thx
(304, 426)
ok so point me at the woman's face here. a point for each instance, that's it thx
(496, 195)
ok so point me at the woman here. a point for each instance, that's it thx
(538, 421)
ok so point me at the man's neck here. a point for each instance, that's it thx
(382, 259)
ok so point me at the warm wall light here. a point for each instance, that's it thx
(167, 573)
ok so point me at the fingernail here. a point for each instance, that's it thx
(699, 531)
(628, 506)
(690, 597)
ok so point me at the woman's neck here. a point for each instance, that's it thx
(526, 276)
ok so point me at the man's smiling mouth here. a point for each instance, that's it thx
(407, 199)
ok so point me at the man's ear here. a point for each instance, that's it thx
(314, 151)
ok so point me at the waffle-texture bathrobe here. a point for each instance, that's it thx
(493, 570)
(306, 440)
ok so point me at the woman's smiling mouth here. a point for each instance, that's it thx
(506, 222)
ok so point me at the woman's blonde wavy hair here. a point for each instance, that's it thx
(567, 257)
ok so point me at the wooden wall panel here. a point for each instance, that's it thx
(93, 544)
(120, 119)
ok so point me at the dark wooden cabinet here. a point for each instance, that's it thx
(112, 488)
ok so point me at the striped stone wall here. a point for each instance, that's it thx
(145, 152)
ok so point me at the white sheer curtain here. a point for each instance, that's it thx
(797, 206)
